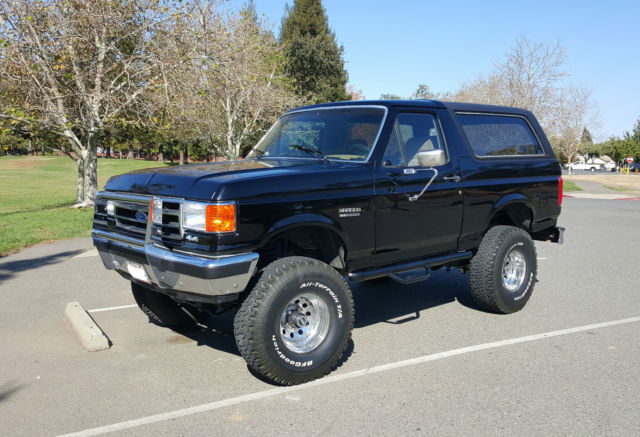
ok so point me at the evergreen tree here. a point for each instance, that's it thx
(314, 59)
(586, 139)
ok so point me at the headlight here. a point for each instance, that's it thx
(155, 211)
(205, 217)
(111, 208)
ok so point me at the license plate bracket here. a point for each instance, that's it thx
(137, 271)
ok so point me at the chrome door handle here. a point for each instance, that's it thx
(452, 178)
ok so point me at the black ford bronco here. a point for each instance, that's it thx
(333, 193)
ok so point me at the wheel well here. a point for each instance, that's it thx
(310, 241)
(516, 214)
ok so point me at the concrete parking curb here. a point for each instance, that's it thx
(88, 331)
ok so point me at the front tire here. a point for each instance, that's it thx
(503, 271)
(296, 323)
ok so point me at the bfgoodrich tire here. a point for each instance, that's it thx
(296, 323)
(161, 309)
(503, 271)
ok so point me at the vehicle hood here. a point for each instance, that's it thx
(207, 181)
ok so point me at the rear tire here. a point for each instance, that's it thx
(160, 308)
(503, 271)
(296, 323)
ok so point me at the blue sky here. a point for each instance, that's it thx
(393, 46)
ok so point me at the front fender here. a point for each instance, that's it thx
(301, 220)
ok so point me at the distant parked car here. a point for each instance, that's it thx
(583, 166)
(635, 167)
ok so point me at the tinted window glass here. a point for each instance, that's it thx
(496, 135)
(412, 133)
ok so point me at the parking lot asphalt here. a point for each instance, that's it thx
(424, 359)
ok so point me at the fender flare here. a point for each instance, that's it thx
(517, 201)
(305, 220)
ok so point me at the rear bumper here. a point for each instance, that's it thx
(168, 270)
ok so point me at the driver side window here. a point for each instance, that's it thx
(412, 133)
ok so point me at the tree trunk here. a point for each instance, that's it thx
(81, 179)
(91, 173)
(182, 154)
(130, 149)
(160, 153)
(87, 164)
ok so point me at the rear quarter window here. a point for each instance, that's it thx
(499, 135)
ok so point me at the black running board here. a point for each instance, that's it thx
(395, 269)
(412, 276)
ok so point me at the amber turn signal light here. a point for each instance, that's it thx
(221, 218)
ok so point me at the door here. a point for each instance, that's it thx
(407, 229)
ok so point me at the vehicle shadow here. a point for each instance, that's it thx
(10, 268)
(215, 332)
(394, 303)
(375, 302)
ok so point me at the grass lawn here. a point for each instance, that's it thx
(570, 186)
(610, 187)
(36, 194)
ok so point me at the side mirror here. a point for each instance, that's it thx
(431, 158)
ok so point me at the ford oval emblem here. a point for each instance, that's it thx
(141, 216)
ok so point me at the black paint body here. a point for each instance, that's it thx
(276, 194)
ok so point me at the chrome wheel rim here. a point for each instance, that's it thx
(514, 269)
(304, 323)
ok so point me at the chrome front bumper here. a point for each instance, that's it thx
(170, 270)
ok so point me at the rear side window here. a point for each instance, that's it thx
(499, 135)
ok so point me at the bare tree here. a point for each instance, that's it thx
(574, 112)
(242, 87)
(531, 77)
(81, 65)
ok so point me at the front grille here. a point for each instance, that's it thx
(100, 213)
(171, 222)
(131, 214)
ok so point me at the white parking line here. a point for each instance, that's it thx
(336, 378)
(121, 307)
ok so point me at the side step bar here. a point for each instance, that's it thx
(412, 276)
(395, 271)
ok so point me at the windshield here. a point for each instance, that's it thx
(328, 133)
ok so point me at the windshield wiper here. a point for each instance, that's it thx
(309, 150)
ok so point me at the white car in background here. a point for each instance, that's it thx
(584, 166)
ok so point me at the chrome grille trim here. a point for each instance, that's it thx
(128, 205)
(172, 218)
